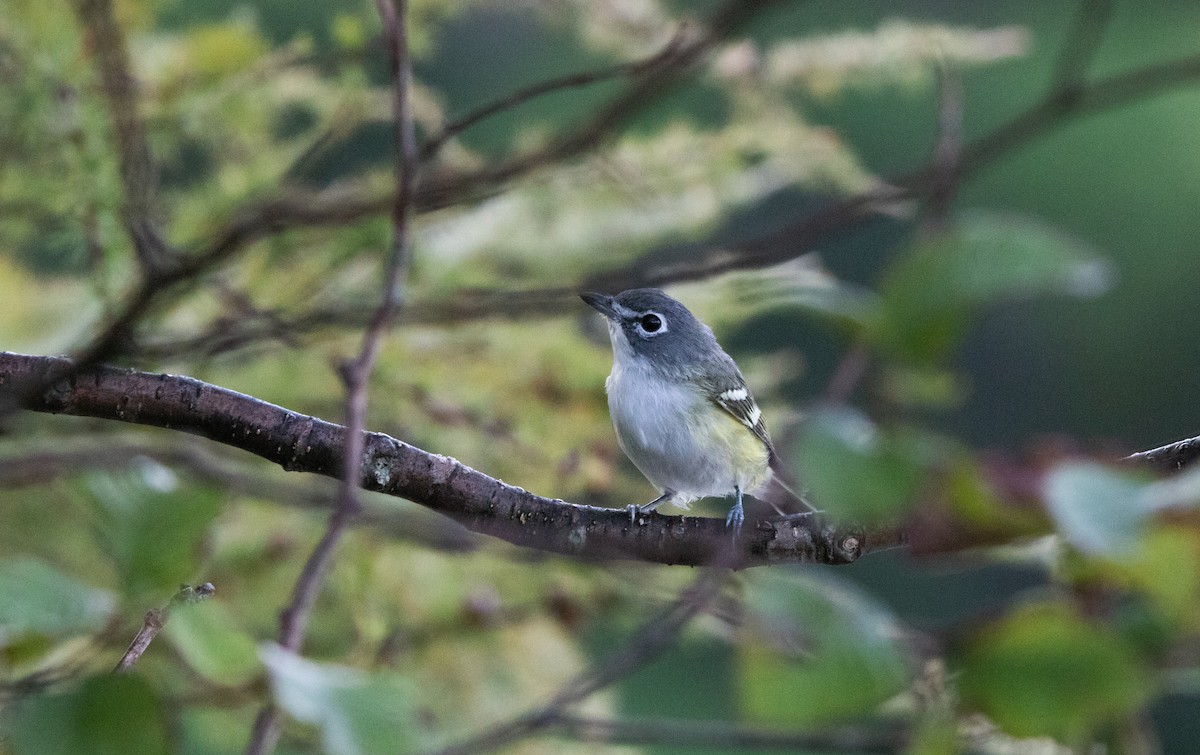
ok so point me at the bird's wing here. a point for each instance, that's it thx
(735, 398)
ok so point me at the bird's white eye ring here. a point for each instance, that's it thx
(651, 323)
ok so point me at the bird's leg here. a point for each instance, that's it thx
(736, 515)
(645, 508)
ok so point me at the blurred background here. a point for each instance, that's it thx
(1042, 306)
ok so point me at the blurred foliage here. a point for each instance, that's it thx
(980, 326)
(106, 715)
(1044, 670)
(355, 713)
(807, 635)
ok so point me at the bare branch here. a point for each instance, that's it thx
(643, 647)
(944, 162)
(260, 219)
(709, 258)
(1083, 40)
(706, 260)
(571, 81)
(356, 374)
(1060, 106)
(481, 503)
(849, 373)
(156, 619)
(724, 736)
(138, 179)
(1171, 457)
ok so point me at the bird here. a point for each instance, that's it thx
(682, 411)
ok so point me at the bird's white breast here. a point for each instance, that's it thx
(669, 431)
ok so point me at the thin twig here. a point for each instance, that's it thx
(156, 619)
(263, 218)
(138, 177)
(643, 647)
(723, 736)
(1059, 106)
(848, 373)
(944, 161)
(571, 81)
(1171, 457)
(1081, 45)
(709, 259)
(356, 374)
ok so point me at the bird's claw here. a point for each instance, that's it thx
(735, 517)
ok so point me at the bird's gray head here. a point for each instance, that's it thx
(646, 323)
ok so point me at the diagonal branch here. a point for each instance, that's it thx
(663, 57)
(643, 647)
(264, 218)
(1061, 105)
(1171, 457)
(156, 619)
(716, 735)
(356, 374)
(481, 503)
(138, 179)
(710, 258)
(1083, 40)
(272, 216)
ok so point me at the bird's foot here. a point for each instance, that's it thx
(736, 516)
(645, 508)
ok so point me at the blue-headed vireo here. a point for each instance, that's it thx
(681, 409)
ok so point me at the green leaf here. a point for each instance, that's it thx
(1045, 671)
(822, 650)
(931, 292)
(152, 525)
(211, 643)
(854, 471)
(108, 715)
(357, 713)
(37, 599)
(1166, 567)
(1096, 509)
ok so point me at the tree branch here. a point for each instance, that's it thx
(571, 81)
(723, 736)
(356, 374)
(156, 619)
(483, 504)
(1059, 106)
(1171, 457)
(643, 647)
(107, 42)
(272, 216)
(1083, 40)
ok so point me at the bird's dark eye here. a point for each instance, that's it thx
(651, 323)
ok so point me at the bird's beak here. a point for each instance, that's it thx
(602, 303)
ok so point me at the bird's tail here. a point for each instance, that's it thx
(779, 494)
